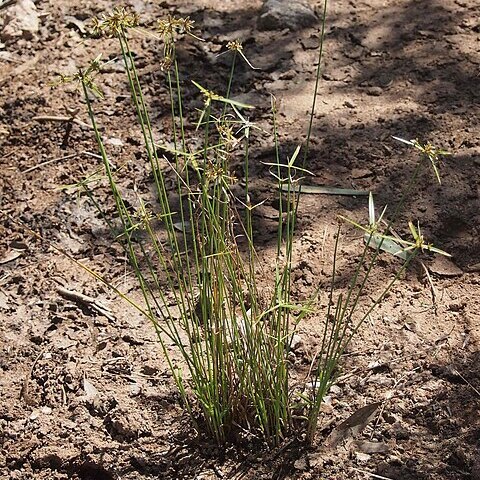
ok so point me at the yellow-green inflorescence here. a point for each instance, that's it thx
(115, 22)
(169, 28)
(85, 77)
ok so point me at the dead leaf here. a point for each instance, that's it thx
(318, 189)
(365, 446)
(353, 425)
(444, 267)
(10, 256)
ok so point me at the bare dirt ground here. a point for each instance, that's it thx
(87, 395)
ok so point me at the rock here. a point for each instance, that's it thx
(362, 457)
(301, 464)
(92, 395)
(370, 448)
(336, 390)
(310, 43)
(326, 407)
(34, 415)
(444, 267)
(135, 390)
(116, 142)
(374, 91)
(358, 173)
(126, 424)
(21, 20)
(296, 342)
(280, 14)
(473, 268)
(53, 456)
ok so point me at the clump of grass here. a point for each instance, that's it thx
(198, 247)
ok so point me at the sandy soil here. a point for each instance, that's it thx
(88, 396)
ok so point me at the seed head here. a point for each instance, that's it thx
(85, 77)
(115, 22)
(166, 63)
(235, 45)
(171, 26)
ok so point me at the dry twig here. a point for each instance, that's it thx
(55, 118)
(24, 392)
(48, 162)
(90, 302)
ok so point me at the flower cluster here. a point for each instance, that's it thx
(85, 77)
(115, 23)
(169, 28)
(235, 45)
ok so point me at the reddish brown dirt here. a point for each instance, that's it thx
(84, 396)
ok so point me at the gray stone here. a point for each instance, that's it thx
(281, 14)
(21, 20)
(374, 91)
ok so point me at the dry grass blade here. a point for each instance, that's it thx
(317, 189)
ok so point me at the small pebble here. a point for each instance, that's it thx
(34, 415)
(301, 464)
(362, 457)
(116, 142)
(135, 390)
(374, 91)
(336, 390)
(296, 342)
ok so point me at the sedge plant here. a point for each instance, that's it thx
(195, 243)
